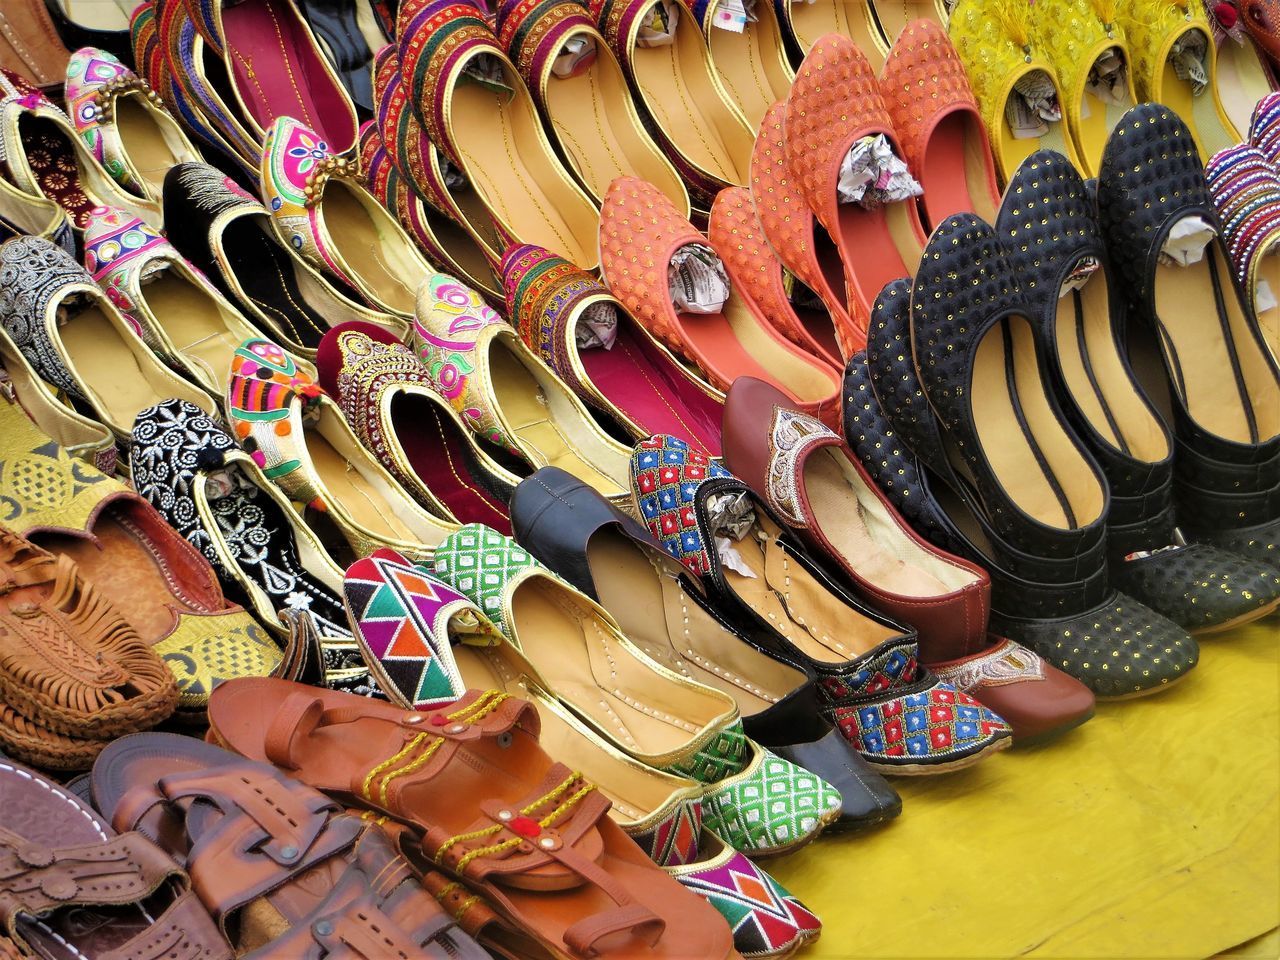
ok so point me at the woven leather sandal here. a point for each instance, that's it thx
(490, 808)
(69, 661)
(63, 862)
(283, 869)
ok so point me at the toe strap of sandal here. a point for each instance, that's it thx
(585, 935)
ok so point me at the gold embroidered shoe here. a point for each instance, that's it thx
(1016, 86)
(506, 394)
(302, 442)
(1175, 62)
(163, 588)
(76, 338)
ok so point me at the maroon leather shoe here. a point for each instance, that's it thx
(819, 489)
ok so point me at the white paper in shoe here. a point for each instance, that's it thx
(872, 174)
(731, 516)
(576, 53)
(597, 327)
(1186, 242)
(697, 280)
(734, 15)
(1080, 275)
(1107, 78)
(1263, 298)
(1032, 106)
(1188, 59)
(488, 72)
(658, 26)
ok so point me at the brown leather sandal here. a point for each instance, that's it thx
(60, 863)
(69, 662)
(282, 869)
(492, 809)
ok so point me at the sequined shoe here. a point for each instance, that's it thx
(898, 715)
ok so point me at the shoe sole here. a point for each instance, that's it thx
(1239, 621)
(1159, 688)
(931, 769)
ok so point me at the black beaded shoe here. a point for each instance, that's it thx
(1049, 226)
(607, 555)
(1062, 608)
(1197, 348)
(228, 234)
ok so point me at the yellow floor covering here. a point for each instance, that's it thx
(1152, 831)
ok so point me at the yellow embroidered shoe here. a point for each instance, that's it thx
(1175, 62)
(1089, 51)
(124, 548)
(299, 437)
(1016, 86)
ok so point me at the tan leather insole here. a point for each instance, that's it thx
(1194, 343)
(498, 136)
(357, 495)
(585, 665)
(143, 140)
(800, 608)
(849, 18)
(679, 90)
(105, 363)
(1095, 121)
(894, 15)
(194, 323)
(1242, 82)
(1268, 269)
(1096, 377)
(1199, 112)
(99, 14)
(526, 409)
(122, 569)
(650, 604)
(594, 123)
(388, 271)
(1014, 422)
(751, 64)
(855, 522)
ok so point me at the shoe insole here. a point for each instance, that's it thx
(955, 175)
(278, 71)
(859, 526)
(1029, 451)
(877, 246)
(590, 670)
(195, 323)
(358, 497)
(849, 18)
(144, 142)
(680, 92)
(509, 165)
(1093, 122)
(894, 15)
(573, 447)
(600, 133)
(1011, 150)
(1198, 112)
(462, 248)
(56, 167)
(816, 622)
(124, 376)
(1096, 377)
(267, 278)
(1268, 269)
(734, 344)
(445, 463)
(375, 251)
(820, 328)
(1242, 82)
(99, 14)
(1216, 365)
(752, 64)
(261, 541)
(637, 378)
(124, 568)
(483, 670)
(655, 612)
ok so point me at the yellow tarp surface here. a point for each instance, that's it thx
(1151, 831)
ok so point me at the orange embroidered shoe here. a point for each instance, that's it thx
(791, 229)
(1012, 78)
(641, 235)
(844, 155)
(735, 231)
(936, 118)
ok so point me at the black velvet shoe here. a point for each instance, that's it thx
(1195, 346)
(611, 558)
(228, 234)
(1062, 608)
(336, 25)
(1049, 226)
